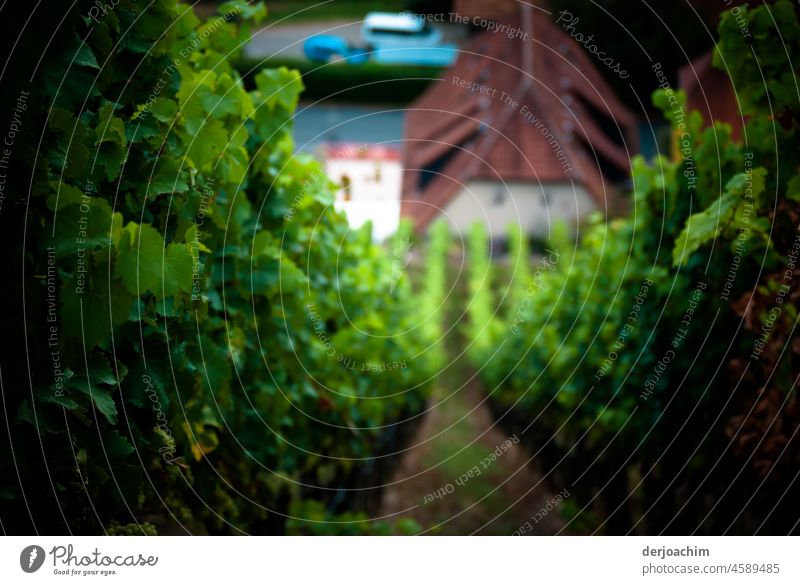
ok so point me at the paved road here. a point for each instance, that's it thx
(286, 41)
(315, 124)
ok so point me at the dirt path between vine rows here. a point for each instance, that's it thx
(433, 478)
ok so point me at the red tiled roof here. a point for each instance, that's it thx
(351, 151)
(466, 135)
(709, 91)
(499, 10)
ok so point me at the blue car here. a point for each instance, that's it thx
(326, 47)
(441, 56)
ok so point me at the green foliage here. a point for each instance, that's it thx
(609, 368)
(730, 214)
(292, 11)
(223, 336)
(363, 83)
(519, 267)
(480, 303)
(310, 518)
(133, 529)
(773, 31)
(434, 288)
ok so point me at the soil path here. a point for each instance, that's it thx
(456, 437)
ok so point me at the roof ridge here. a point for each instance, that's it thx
(485, 145)
(542, 146)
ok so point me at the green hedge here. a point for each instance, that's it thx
(209, 345)
(633, 367)
(364, 83)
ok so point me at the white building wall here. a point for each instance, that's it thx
(532, 206)
(375, 187)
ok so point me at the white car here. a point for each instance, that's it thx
(388, 30)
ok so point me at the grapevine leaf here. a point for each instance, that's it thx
(178, 269)
(164, 110)
(793, 188)
(110, 128)
(167, 178)
(98, 383)
(209, 141)
(254, 11)
(102, 303)
(139, 259)
(85, 57)
(742, 190)
(281, 86)
(116, 445)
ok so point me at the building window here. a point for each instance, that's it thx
(376, 176)
(347, 188)
(500, 193)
